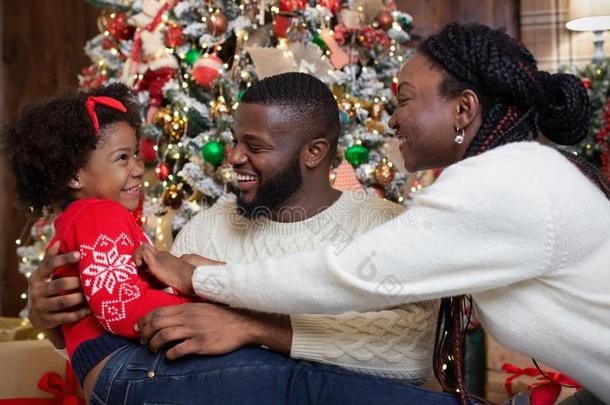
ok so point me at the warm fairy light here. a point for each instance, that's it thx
(164, 184)
(18, 242)
(185, 85)
(140, 76)
(146, 184)
(156, 148)
(28, 274)
(226, 65)
(275, 9)
(400, 58)
(171, 176)
(43, 237)
(180, 143)
(401, 199)
(100, 62)
(159, 220)
(219, 48)
(40, 336)
(24, 296)
(160, 236)
(106, 33)
(24, 260)
(204, 19)
(235, 106)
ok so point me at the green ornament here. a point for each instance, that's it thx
(318, 41)
(191, 56)
(240, 95)
(357, 155)
(213, 152)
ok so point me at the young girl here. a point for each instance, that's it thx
(78, 154)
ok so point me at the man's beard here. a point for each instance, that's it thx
(272, 193)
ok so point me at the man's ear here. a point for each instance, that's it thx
(315, 151)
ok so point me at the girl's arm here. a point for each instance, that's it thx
(117, 292)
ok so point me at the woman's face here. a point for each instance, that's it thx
(425, 120)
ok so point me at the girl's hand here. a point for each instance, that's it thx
(167, 268)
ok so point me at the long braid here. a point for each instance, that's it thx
(517, 101)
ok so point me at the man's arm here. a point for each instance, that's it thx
(46, 309)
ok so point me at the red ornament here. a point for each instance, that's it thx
(217, 24)
(586, 82)
(173, 36)
(206, 70)
(162, 171)
(282, 21)
(147, 151)
(119, 29)
(153, 81)
(333, 5)
(292, 5)
(385, 20)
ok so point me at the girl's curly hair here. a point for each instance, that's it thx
(49, 141)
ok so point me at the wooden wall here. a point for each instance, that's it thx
(42, 53)
(431, 15)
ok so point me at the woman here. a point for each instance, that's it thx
(521, 227)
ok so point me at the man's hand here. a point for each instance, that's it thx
(47, 309)
(167, 268)
(212, 329)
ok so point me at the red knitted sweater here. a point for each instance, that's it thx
(106, 235)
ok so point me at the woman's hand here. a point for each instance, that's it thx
(47, 310)
(167, 268)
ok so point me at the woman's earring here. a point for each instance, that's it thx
(459, 135)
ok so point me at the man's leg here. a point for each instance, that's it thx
(246, 376)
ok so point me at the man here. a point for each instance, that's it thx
(286, 131)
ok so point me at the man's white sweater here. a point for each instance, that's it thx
(518, 227)
(393, 343)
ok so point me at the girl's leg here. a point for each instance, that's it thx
(246, 376)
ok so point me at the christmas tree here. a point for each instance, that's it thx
(595, 148)
(190, 62)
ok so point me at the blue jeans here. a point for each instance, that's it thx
(134, 375)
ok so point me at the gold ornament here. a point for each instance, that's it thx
(384, 172)
(162, 116)
(175, 127)
(218, 108)
(375, 126)
(172, 197)
(228, 175)
(376, 111)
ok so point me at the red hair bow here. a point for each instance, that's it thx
(107, 101)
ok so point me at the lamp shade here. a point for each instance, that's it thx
(588, 15)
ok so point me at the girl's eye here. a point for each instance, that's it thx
(123, 156)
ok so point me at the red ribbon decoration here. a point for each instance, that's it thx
(65, 391)
(551, 376)
(107, 101)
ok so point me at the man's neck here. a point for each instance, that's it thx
(305, 203)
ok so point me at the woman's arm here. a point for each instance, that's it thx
(473, 230)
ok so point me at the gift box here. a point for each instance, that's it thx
(500, 385)
(33, 372)
(17, 329)
(509, 372)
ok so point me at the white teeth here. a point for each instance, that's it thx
(132, 189)
(245, 177)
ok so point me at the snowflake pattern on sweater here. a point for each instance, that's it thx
(109, 267)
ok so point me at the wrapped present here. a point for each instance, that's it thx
(511, 380)
(17, 329)
(33, 370)
(497, 355)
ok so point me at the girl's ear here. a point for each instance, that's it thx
(75, 183)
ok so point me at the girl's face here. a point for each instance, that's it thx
(114, 170)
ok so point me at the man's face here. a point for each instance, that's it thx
(265, 158)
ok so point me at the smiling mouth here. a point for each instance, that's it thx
(242, 178)
(133, 189)
(402, 139)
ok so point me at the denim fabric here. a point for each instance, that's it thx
(134, 375)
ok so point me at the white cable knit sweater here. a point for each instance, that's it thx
(394, 343)
(518, 227)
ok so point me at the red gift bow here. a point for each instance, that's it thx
(550, 376)
(64, 391)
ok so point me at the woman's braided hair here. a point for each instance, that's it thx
(517, 102)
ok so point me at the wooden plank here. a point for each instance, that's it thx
(42, 53)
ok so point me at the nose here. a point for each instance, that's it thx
(138, 167)
(237, 156)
